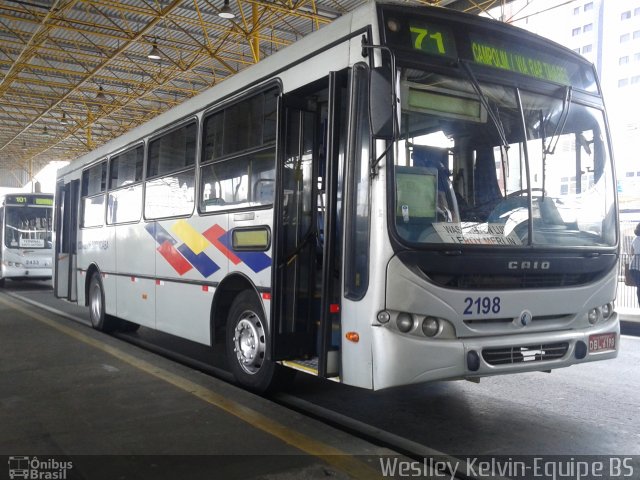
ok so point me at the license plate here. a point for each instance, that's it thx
(602, 342)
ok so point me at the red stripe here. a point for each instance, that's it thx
(213, 234)
(174, 257)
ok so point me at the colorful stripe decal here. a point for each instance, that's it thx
(191, 253)
(190, 236)
(213, 235)
(201, 262)
(256, 261)
(175, 259)
(159, 233)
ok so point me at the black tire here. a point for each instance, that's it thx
(99, 319)
(247, 344)
(3, 282)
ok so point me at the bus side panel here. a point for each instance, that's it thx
(183, 310)
(97, 246)
(135, 264)
(253, 262)
(194, 255)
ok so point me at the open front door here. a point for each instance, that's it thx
(307, 234)
(64, 281)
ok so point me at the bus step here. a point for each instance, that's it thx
(310, 366)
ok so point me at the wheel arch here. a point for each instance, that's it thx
(230, 287)
(93, 268)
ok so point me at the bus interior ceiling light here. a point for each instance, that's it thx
(225, 11)
(154, 54)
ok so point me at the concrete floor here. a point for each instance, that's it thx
(68, 390)
(589, 409)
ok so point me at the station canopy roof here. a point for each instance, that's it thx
(77, 73)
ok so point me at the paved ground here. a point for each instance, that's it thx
(586, 409)
(67, 390)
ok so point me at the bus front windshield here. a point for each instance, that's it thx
(469, 171)
(27, 227)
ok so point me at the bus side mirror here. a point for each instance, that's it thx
(382, 97)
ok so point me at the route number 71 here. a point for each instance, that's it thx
(422, 33)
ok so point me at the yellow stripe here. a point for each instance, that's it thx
(332, 456)
(190, 236)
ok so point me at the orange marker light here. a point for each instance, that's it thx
(353, 337)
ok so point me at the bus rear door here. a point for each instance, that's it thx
(66, 225)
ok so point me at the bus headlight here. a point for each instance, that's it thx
(430, 326)
(607, 310)
(404, 322)
(593, 316)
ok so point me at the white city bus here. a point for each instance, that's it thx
(410, 194)
(26, 234)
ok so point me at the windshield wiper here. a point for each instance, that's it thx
(562, 121)
(483, 99)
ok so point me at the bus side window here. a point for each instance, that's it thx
(171, 160)
(94, 183)
(238, 155)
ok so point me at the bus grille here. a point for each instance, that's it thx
(510, 282)
(523, 354)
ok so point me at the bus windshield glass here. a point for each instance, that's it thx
(27, 227)
(469, 171)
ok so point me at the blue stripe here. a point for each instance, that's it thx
(159, 233)
(256, 261)
(201, 262)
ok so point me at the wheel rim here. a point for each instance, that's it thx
(96, 303)
(249, 342)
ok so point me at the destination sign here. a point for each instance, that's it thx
(529, 64)
(453, 36)
(33, 200)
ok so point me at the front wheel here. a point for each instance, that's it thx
(99, 319)
(247, 342)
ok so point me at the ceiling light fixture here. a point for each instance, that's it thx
(154, 54)
(63, 120)
(225, 11)
(45, 132)
(100, 94)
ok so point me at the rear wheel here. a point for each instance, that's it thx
(247, 342)
(99, 319)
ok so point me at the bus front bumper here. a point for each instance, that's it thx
(23, 273)
(403, 359)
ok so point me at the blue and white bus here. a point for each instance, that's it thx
(381, 203)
